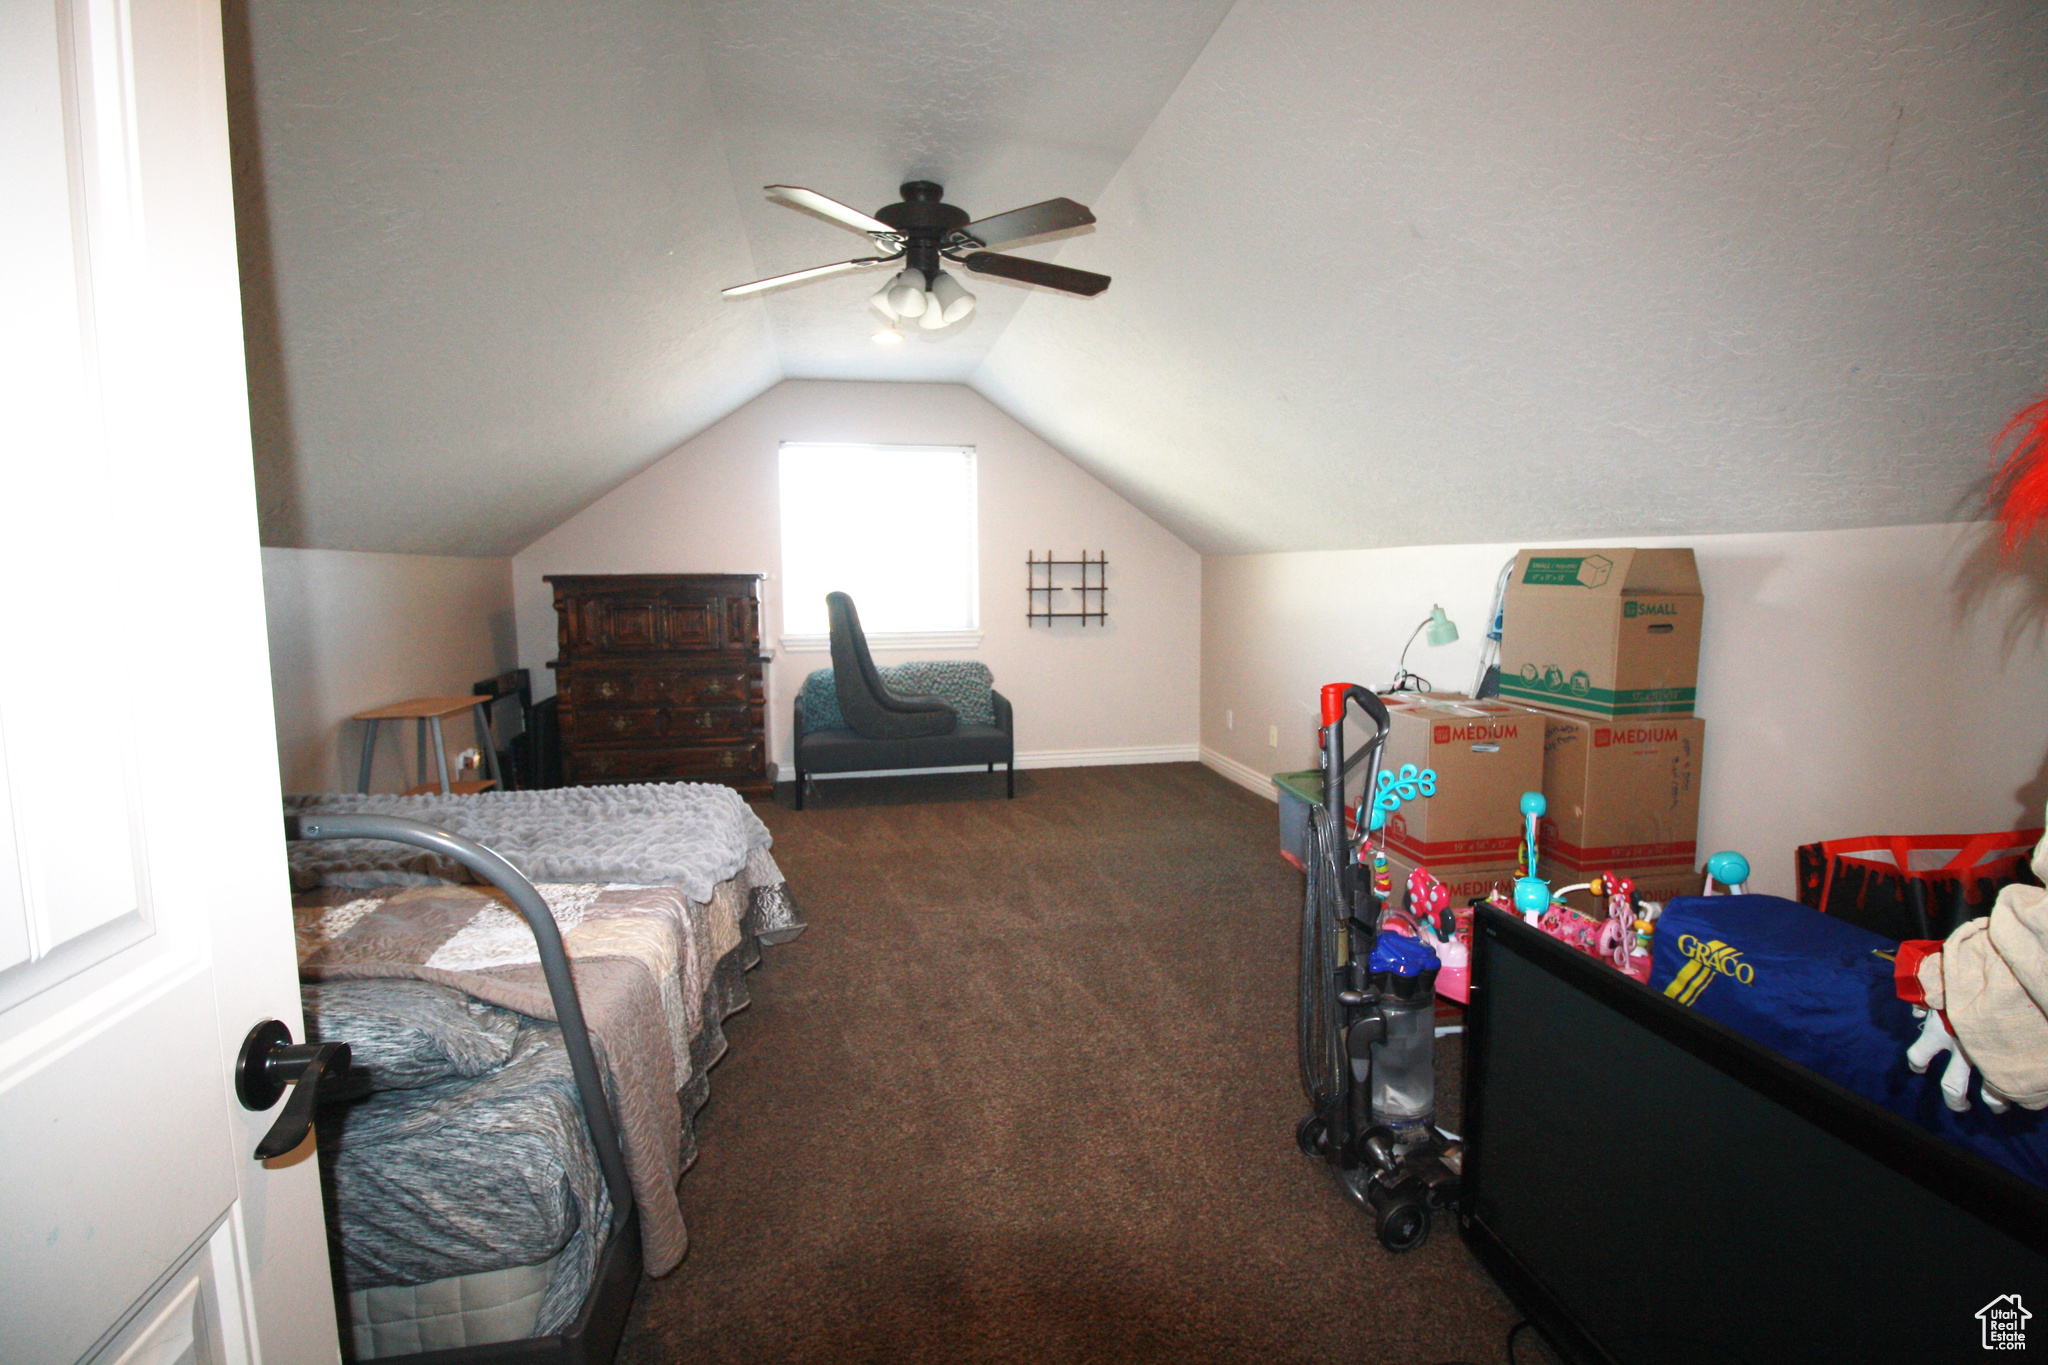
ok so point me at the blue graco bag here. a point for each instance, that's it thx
(1819, 991)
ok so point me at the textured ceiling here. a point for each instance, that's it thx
(483, 242)
(1561, 270)
(1385, 273)
(482, 245)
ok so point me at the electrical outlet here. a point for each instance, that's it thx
(1229, 719)
(1272, 736)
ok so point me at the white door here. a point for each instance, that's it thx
(144, 917)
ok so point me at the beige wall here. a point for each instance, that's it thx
(1853, 682)
(1122, 694)
(350, 631)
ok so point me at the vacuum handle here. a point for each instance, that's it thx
(1337, 697)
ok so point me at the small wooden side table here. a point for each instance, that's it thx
(426, 714)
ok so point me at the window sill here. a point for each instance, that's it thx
(880, 641)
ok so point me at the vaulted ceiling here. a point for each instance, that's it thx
(1385, 273)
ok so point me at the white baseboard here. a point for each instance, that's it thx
(1043, 758)
(1101, 758)
(1243, 774)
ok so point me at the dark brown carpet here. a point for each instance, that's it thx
(1025, 1091)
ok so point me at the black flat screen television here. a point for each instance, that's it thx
(1652, 1188)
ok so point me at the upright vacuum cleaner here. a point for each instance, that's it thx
(1368, 1009)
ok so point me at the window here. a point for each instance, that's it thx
(892, 527)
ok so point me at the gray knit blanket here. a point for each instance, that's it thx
(685, 834)
(962, 683)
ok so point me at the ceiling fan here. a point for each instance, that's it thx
(923, 231)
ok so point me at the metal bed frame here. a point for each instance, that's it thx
(592, 1337)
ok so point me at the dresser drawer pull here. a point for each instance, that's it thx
(620, 723)
(706, 719)
(728, 759)
(714, 689)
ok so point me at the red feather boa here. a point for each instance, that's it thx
(2019, 490)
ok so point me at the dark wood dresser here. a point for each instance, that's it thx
(660, 679)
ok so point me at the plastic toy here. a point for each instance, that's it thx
(1568, 926)
(1429, 901)
(1532, 893)
(1427, 897)
(1730, 869)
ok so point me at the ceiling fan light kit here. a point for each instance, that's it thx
(952, 297)
(923, 231)
(905, 295)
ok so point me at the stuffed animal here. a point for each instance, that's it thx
(1985, 991)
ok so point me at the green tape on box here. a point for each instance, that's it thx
(1600, 701)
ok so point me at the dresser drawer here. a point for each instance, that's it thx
(655, 685)
(647, 619)
(665, 763)
(714, 687)
(588, 724)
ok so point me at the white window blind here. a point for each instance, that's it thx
(892, 527)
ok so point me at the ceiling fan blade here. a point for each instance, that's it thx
(816, 272)
(810, 201)
(1029, 223)
(1027, 271)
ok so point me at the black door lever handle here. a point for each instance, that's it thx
(269, 1062)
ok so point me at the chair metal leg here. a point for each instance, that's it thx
(419, 750)
(799, 788)
(1011, 772)
(369, 748)
(440, 755)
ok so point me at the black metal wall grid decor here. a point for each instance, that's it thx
(1090, 591)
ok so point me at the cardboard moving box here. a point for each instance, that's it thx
(1623, 795)
(1486, 754)
(1607, 632)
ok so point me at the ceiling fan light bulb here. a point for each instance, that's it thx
(949, 295)
(888, 336)
(934, 315)
(906, 293)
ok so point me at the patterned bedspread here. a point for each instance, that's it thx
(644, 959)
(688, 834)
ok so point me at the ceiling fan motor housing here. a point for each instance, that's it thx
(925, 222)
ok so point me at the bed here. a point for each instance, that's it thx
(465, 1204)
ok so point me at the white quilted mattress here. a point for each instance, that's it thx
(462, 1310)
